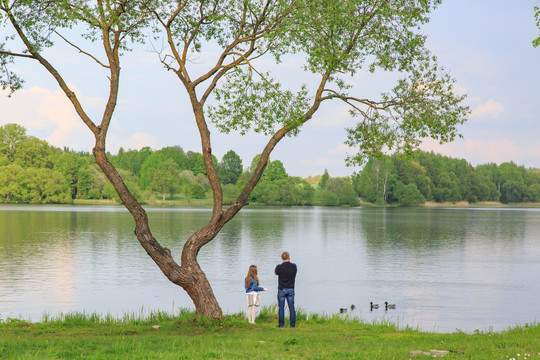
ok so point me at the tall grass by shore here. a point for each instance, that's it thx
(184, 335)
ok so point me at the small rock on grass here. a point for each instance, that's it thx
(439, 352)
(419, 352)
(434, 353)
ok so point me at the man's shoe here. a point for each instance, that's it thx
(279, 326)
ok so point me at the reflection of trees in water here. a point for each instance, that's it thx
(48, 239)
(226, 247)
(265, 231)
(28, 234)
(439, 228)
(230, 237)
(497, 225)
(339, 227)
(38, 251)
(173, 228)
(409, 228)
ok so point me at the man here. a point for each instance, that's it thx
(286, 273)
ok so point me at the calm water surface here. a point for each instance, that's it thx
(445, 269)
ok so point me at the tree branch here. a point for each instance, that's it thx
(226, 68)
(251, 38)
(69, 93)
(17, 55)
(82, 51)
(114, 67)
(242, 199)
(383, 105)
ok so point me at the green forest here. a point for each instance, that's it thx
(32, 171)
(430, 177)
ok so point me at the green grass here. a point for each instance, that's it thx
(186, 336)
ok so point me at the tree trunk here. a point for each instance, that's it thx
(199, 290)
(189, 275)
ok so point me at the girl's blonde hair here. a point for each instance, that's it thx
(252, 273)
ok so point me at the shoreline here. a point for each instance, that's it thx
(480, 204)
(208, 202)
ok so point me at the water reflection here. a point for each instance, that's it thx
(444, 268)
(447, 263)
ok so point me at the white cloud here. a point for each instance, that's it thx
(139, 140)
(56, 109)
(459, 90)
(321, 161)
(474, 100)
(50, 115)
(489, 109)
(478, 151)
(333, 161)
(343, 150)
(336, 117)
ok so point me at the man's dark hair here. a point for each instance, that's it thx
(285, 256)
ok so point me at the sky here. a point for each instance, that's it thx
(485, 44)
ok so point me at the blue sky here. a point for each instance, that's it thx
(485, 45)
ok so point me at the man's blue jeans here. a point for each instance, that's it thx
(282, 295)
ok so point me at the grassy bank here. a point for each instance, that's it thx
(186, 336)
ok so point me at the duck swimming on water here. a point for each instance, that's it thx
(389, 306)
(373, 306)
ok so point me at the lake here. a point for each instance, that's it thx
(445, 269)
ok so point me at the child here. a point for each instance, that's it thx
(252, 291)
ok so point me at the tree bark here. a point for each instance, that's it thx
(201, 293)
(189, 275)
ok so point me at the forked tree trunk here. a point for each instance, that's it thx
(188, 275)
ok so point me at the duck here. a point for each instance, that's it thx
(389, 306)
(373, 306)
(353, 306)
(342, 310)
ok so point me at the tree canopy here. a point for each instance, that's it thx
(536, 42)
(230, 168)
(336, 39)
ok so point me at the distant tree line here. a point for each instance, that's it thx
(432, 177)
(32, 171)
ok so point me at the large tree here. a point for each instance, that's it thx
(335, 39)
(11, 136)
(375, 180)
(230, 168)
(165, 178)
